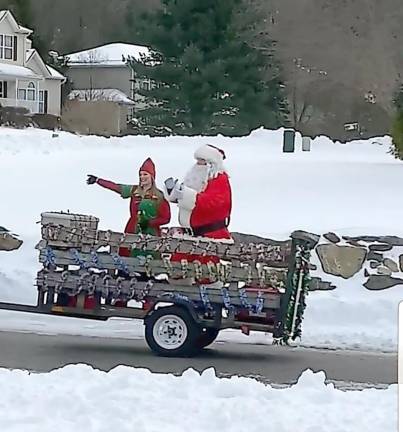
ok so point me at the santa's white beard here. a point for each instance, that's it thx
(197, 177)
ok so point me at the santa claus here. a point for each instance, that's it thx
(204, 197)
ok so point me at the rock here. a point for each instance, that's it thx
(374, 264)
(366, 273)
(377, 282)
(390, 264)
(344, 261)
(313, 266)
(317, 284)
(8, 242)
(392, 240)
(380, 247)
(368, 239)
(332, 237)
(382, 270)
(354, 243)
(401, 263)
(375, 256)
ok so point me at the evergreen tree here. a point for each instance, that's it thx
(207, 80)
(397, 128)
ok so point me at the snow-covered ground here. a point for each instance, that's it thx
(80, 398)
(352, 188)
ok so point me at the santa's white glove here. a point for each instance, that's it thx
(174, 189)
(177, 191)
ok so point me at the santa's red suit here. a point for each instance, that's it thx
(204, 199)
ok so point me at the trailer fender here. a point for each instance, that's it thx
(168, 300)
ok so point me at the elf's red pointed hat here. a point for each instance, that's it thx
(149, 167)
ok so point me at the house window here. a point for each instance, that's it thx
(3, 89)
(27, 94)
(42, 101)
(31, 91)
(6, 47)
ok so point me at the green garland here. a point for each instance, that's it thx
(295, 312)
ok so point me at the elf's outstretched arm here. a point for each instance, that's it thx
(124, 190)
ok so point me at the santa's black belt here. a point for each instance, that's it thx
(208, 228)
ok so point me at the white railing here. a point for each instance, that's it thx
(31, 106)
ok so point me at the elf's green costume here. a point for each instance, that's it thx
(148, 208)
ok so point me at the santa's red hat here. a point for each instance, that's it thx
(210, 154)
(149, 167)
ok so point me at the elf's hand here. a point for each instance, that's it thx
(91, 179)
(142, 220)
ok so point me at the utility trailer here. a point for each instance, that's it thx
(185, 289)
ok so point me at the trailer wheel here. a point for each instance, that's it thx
(171, 332)
(207, 336)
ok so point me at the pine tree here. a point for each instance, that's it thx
(207, 79)
(397, 128)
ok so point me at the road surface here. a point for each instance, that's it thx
(281, 365)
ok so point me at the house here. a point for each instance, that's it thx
(25, 79)
(105, 70)
(97, 111)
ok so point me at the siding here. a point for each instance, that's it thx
(55, 95)
(100, 77)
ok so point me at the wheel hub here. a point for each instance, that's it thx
(170, 332)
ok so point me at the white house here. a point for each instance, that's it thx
(25, 79)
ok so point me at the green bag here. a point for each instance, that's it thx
(147, 210)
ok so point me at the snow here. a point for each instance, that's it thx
(55, 74)
(112, 95)
(349, 188)
(14, 71)
(25, 29)
(107, 55)
(125, 399)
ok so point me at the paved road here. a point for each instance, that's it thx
(280, 365)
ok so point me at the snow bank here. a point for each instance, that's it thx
(351, 189)
(80, 398)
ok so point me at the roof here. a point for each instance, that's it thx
(107, 55)
(19, 28)
(29, 53)
(54, 73)
(111, 95)
(14, 71)
(25, 29)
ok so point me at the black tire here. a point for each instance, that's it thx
(182, 323)
(207, 336)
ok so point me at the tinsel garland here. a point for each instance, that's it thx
(292, 327)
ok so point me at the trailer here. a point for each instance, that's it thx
(185, 289)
